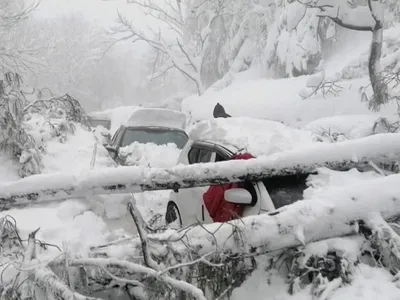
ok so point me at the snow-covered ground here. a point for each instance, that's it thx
(89, 221)
(256, 136)
(368, 284)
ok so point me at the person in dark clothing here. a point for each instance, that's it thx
(219, 112)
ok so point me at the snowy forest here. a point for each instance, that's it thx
(311, 90)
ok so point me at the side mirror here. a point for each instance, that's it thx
(238, 196)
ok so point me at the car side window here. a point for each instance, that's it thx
(200, 155)
(204, 156)
(193, 155)
(114, 138)
(285, 190)
(219, 157)
(117, 136)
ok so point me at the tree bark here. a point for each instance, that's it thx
(378, 84)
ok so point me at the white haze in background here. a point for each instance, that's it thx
(105, 79)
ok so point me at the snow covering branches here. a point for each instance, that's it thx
(15, 54)
(318, 84)
(383, 149)
(20, 122)
(361, 18)
(316, 243)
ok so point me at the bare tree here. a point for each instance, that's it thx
(361, 18)
(183, 37)
(16, 53)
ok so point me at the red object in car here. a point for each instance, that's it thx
(219, 209)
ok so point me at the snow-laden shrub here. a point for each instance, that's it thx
(13, 135)
(296, 39)
(25, 127)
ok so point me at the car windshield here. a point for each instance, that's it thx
(157, 136)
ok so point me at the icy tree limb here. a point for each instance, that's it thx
(363, 18)
(140, 225)
(136, 268)
(30, 253)
(334, 214)
(381, 149)
(48, 281)
(381, 94)
(384, 235)
(43, 277)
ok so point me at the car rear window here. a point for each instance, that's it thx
(156, 136)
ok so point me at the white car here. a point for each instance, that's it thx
(186, 207)
(159, 126)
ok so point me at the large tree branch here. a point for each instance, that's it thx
(350, 26)
(382, 148)
(338, 212)
(341, 21)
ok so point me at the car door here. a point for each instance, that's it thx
(191, 200)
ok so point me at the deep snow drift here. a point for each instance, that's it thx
(256, 136)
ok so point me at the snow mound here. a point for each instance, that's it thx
(70, 221)
(351, 126)
(278, 100)
(327, 179)
(74, 155)
(368, 283)
(258, 137)
(150, 155)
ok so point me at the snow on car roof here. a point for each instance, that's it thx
(256, 136)
(157, 117)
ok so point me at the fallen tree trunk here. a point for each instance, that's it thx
(336, 214)
(383, 148)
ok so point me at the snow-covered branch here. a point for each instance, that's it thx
(362, 18)
(381, 149)
(140, 225)
(335, 213)
(359, 18)
(50, 283)
(139, 269)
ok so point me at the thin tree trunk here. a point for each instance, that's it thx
(379, 87)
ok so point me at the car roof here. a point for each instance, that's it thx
(157, 117)
(156, 128)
